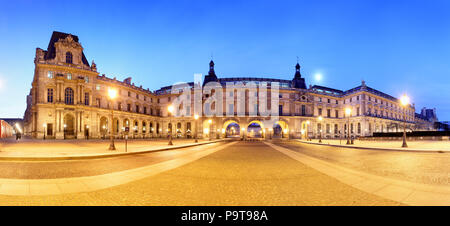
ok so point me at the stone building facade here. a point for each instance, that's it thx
(69, 100)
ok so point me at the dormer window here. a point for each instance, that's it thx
(69, 57)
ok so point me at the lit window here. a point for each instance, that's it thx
(50, 74)
(86, 79)
(97, 87)
(69, 76)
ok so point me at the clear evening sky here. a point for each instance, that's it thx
(395, 46)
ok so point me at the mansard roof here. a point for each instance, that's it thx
(353, 90)
(51, 51)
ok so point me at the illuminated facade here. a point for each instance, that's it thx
(68, 100)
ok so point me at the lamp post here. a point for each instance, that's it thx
(112, 93)
(170, 110)
(320, 118)
(196, 128)
(404, 101)
(210, 130)
(348, 112)
(45, 127)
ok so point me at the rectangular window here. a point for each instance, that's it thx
(329, 101)
(119, 106)
(97, 87)
(69, 76)
(320, 111)
(129, 94)
(336, 113)
(137, 96)
(357, 97)
(86, 99)
(50, 74)
(98, 102)
(337, 102)
(329, 113)
(303, 110)
(145, 110)
(328, 128)
(137, 108)
(128, 107)
(357, 111)
(50, 95)
(320, 99)
(86, 79)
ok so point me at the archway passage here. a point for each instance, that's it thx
(233, 130)
(103, 126)
(277, 131)
(280, 129)
(69, 126)
(254, 130)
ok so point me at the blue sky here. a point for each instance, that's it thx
(395, 46)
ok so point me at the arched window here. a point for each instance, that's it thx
(69, 57)
(69, 96)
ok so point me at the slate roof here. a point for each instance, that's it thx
(51, 51)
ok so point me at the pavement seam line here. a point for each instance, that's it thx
(377, 148)
(91, 183)
(103, 155)
(328, 169)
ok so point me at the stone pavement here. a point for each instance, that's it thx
(423, 146)
(239, 173)
(76, 148)
(406, 192)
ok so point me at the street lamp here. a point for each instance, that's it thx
(170, 110)
(404, 100)
(196, 128)
(348, 112)
(210, 130)
(112, 93)
(45, 127)
(320, 118)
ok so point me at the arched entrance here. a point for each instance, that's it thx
(103, 126)
(255, 129)
(280, 129)
(69, 126)
(232, 129)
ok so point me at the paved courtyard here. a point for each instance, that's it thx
(60, 148)
(241, 173)
(425, 145)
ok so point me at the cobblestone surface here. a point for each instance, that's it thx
(247, 173)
